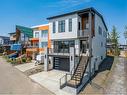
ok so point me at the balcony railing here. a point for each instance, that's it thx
(32, 46)
(83, 33)
(53, 51)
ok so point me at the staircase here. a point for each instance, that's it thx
(78, 74)
(56, 63)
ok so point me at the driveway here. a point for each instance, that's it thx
(111, 79)
(117, 84)
(14, 82)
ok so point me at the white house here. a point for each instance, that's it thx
(78, 45)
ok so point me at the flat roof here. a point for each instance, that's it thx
(80, 11)
(39, 25)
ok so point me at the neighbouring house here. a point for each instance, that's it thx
(4, 40)
(4, 43)
(39, 41)
(12, 37)
(78, 46)
(21, 38)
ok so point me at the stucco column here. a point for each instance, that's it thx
(72, 58)
(46, 59)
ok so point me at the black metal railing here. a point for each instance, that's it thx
(63, 80)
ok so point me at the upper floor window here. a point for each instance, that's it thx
(70, 25)
(36, 34)
(61, 26)
(44, 33)
(54, 27)
(100, 30)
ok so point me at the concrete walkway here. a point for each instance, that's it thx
(24, 67)
(13, 82)
(50, 80)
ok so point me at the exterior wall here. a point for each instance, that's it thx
(39, 29)
(66, 34)
(97, 49)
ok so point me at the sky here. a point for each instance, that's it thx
(34, 12)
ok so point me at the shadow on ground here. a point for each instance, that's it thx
(104, 66)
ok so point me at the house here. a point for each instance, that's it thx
(39, 41)
(4, 43)
(21, 38)
(78, 46)
(4, 40)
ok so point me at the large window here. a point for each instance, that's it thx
(63, 46)
(44, 33)
(70, 25)
(61, 26)
(54, 27)
(36, 34)
(43, 44)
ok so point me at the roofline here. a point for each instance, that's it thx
(39, 25)
(12, 33)
(79, 11)
(4, 36)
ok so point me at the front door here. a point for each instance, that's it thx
(83, 46)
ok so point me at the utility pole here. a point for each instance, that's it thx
(90, 43)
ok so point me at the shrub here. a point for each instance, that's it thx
(23, 60)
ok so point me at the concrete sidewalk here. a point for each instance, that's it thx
(50, 80)
(24, 67)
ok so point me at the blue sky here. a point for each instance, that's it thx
(35, 12)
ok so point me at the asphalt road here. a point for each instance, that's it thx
(14, 82)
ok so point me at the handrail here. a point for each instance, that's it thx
(85, 68)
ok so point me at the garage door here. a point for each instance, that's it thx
(61, 64)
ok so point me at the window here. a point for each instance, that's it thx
(101, 44)
(101, 57)
(70, 25)
(100, 30)
(78, 25)
(36, 34)
(43, 44)
(54, 27)
(44, 33)
(61, 26)
(104, 34)
(63, 46)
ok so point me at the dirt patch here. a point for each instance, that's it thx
(97, 86)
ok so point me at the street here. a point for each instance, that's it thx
(14, 82)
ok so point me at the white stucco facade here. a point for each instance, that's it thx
(66, 34)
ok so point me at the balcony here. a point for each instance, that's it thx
(58, 52)
(83, 33)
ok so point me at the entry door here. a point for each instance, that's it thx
(83, 46)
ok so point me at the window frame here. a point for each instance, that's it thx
(70, 25)
(54, 27)
(61, 26)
